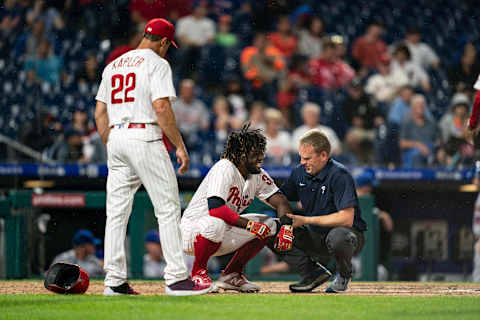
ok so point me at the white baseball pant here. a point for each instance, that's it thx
(132, 162)
(217, 230)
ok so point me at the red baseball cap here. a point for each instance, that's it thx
(161, 28)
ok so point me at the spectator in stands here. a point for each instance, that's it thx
(421, 53)
(452, 123)
(223, 121)
(153, 262)
(97, 17)
(41, 133)
(45, 65)
(298, 77)
(369, 49)
(89, 74)
(311, 119)
(10, 17)
(224, 37)
(93, 149)
(358, 109)
(191, 113)
(193, 32)
(236, 98)
(12, 23)
(48, 14)
(132, 42)
(310, 40)
(70, 149)
(400, 109)
(452, 128)
(262, 65)
(27, 44)
(142, 11)
(279, 142)
(362, 117)
(462, 76)
(418, 136)
(243, 23)
(416, 75)
(257, 115)
(364, 184)
(79, 122)
(83, 253)
(327, 72)
(385, 84)
(283, 39)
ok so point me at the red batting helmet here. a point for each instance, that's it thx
(66, 278)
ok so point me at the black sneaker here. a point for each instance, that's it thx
(312, 280)
(120, 290)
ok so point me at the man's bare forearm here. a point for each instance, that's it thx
(280, 203)
(342, 218)
(167, 122)
(102, 121)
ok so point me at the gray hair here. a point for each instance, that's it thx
(310, 106)
(418, 97)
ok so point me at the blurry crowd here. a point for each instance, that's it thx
(387, 91)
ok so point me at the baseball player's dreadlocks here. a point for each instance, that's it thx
(241, 142)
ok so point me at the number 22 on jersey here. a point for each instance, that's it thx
(121, 82)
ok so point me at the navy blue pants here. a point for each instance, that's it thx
(309, 247)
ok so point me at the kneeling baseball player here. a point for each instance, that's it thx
(211, 224)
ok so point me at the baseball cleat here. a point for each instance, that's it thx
(202, 278)
(120, 290)
(238, 282)
(312, 280)
(339, 284)
(187, 288)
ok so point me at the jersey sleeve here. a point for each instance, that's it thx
(220, 179)
(344, 194)
(102, 90)
(266, 186)
(161, 83)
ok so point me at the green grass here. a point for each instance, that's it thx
(265, 307)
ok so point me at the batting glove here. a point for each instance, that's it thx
(260, 230)
(284, 239)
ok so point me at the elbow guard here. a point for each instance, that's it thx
(225, 213)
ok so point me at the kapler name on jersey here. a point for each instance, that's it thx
(128, 62)
(234, 198)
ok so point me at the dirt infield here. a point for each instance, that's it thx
(356, 288)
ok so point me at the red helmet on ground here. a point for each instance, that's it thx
(66, 278)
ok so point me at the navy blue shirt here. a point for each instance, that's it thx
(329, 191)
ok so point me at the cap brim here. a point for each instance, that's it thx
(174, 44)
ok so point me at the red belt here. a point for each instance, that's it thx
(131, 126)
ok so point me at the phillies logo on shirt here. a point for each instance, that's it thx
(234, 198)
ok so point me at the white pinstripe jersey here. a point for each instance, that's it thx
(131, 83)
(225, 181)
